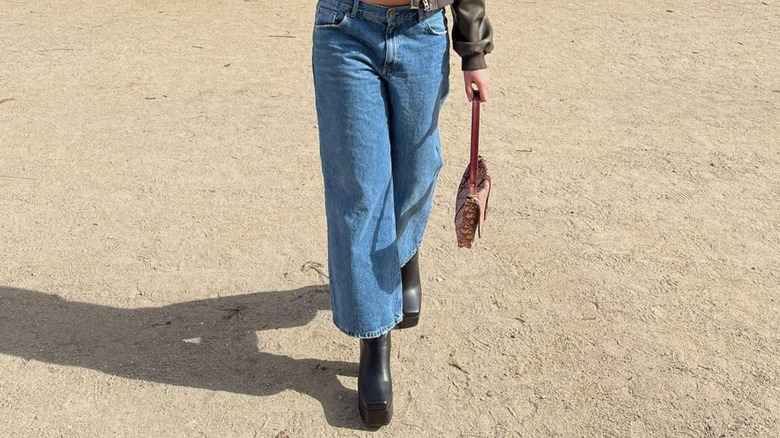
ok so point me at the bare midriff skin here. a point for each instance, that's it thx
(391, 3)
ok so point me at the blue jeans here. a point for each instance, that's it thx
(380, 78)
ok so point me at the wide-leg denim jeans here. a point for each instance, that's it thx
(380, 77)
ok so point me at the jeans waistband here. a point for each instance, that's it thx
(380, 14)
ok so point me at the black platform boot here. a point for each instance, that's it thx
(412, 292)
(375, 387)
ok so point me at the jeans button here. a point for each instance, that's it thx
(392, 13)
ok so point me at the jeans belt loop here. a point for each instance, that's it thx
(354, 11)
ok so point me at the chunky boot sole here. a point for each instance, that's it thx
(375, 385)
(375, 418)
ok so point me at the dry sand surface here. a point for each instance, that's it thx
(162, 229)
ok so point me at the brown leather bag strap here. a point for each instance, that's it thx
(473, 164)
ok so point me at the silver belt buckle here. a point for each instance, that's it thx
(415, 4)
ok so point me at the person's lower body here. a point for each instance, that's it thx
(381, 78)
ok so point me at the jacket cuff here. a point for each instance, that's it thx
(473, 62)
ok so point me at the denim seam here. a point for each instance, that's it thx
(418, 243)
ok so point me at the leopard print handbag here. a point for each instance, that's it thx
(471, 202)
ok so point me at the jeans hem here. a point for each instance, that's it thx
(371, 334)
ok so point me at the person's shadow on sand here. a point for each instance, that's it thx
(201, 344)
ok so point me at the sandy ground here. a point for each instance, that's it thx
(162, 228)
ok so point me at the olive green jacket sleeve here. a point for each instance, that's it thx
(472, 33)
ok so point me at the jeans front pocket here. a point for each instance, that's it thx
(436, 24)
(328, 17)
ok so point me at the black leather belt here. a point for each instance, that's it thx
(429, 5)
